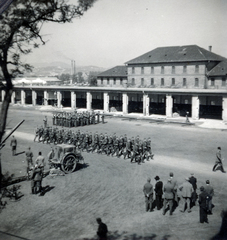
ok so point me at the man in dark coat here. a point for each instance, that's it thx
(210, 192)
(158, 192)
(193, 181)
(203, 206)
(148, 193)
(168, 197)
(102, 230)
(218, 161)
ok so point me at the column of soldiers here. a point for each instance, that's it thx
(75, 119)
(134, 148)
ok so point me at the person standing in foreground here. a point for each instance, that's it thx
(210, 193)
(187, 190)
(193, 181)
(175, 185)
(168, 197)
(148, 193)
(13, 144)
(102, 230)
(29, 156)
(219, 161)
(158, 192)
(203, 206)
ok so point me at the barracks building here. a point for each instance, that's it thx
(164, 81)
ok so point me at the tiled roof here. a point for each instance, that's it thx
(118, 71)
(219, 70)
(176, 54)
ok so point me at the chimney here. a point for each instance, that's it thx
(210, 48)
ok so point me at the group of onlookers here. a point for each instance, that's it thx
(168, 196)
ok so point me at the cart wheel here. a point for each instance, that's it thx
(69, 163)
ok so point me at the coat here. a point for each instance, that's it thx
(168, 190)
(186, 189)
(202, 200)
(148, 189)
(209, 190)
(158, 188)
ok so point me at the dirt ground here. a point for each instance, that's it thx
(111, 188)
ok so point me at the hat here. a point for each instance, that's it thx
(148, 179)
(219, 148)
(171, 174)
(157, 178)
(202, 188)
(207, 181)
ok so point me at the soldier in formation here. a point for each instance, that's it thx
(75, 119)
(137, 150)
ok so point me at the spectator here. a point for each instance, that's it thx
(203, 206)
(168, 197)
(13, 144)
(210, 192)
(29, 156)
(193, 181)
(36, 183)
(158, 192)
(187, 190)
(102, 230)
(148, 193)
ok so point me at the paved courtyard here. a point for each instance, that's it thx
(111, 188)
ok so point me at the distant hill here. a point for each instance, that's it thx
(58, 68)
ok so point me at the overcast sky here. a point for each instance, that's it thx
(113, 32)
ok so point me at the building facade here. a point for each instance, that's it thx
(166, 81)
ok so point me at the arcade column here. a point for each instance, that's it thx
(224, 109)
(34, 97)
(125, 103)
(106, 102)
(73, 100)
(46, 97)
(146, 104)
(169, 105)
(23, 97)
(59, 98)
(195, 107)
(13, 97)
(89, 101)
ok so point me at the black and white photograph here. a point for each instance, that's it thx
(113, 119)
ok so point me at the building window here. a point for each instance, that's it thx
(184, 69)
(162, 70)
(162, 82)
(223, 83)
(212, 103)
(186, 101)
(108, 81)
(173, 69)
(152, 81)
(196, 68)
(101, 80)
(133, 69)
(142, 81)
(212, 82)
(133, 81)
(114, 81)
(152, 70)
(196, 82)
(121, 81)
(142, 70)
(184, 82)
(173, 81)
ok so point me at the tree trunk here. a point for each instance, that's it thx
(3, 118)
